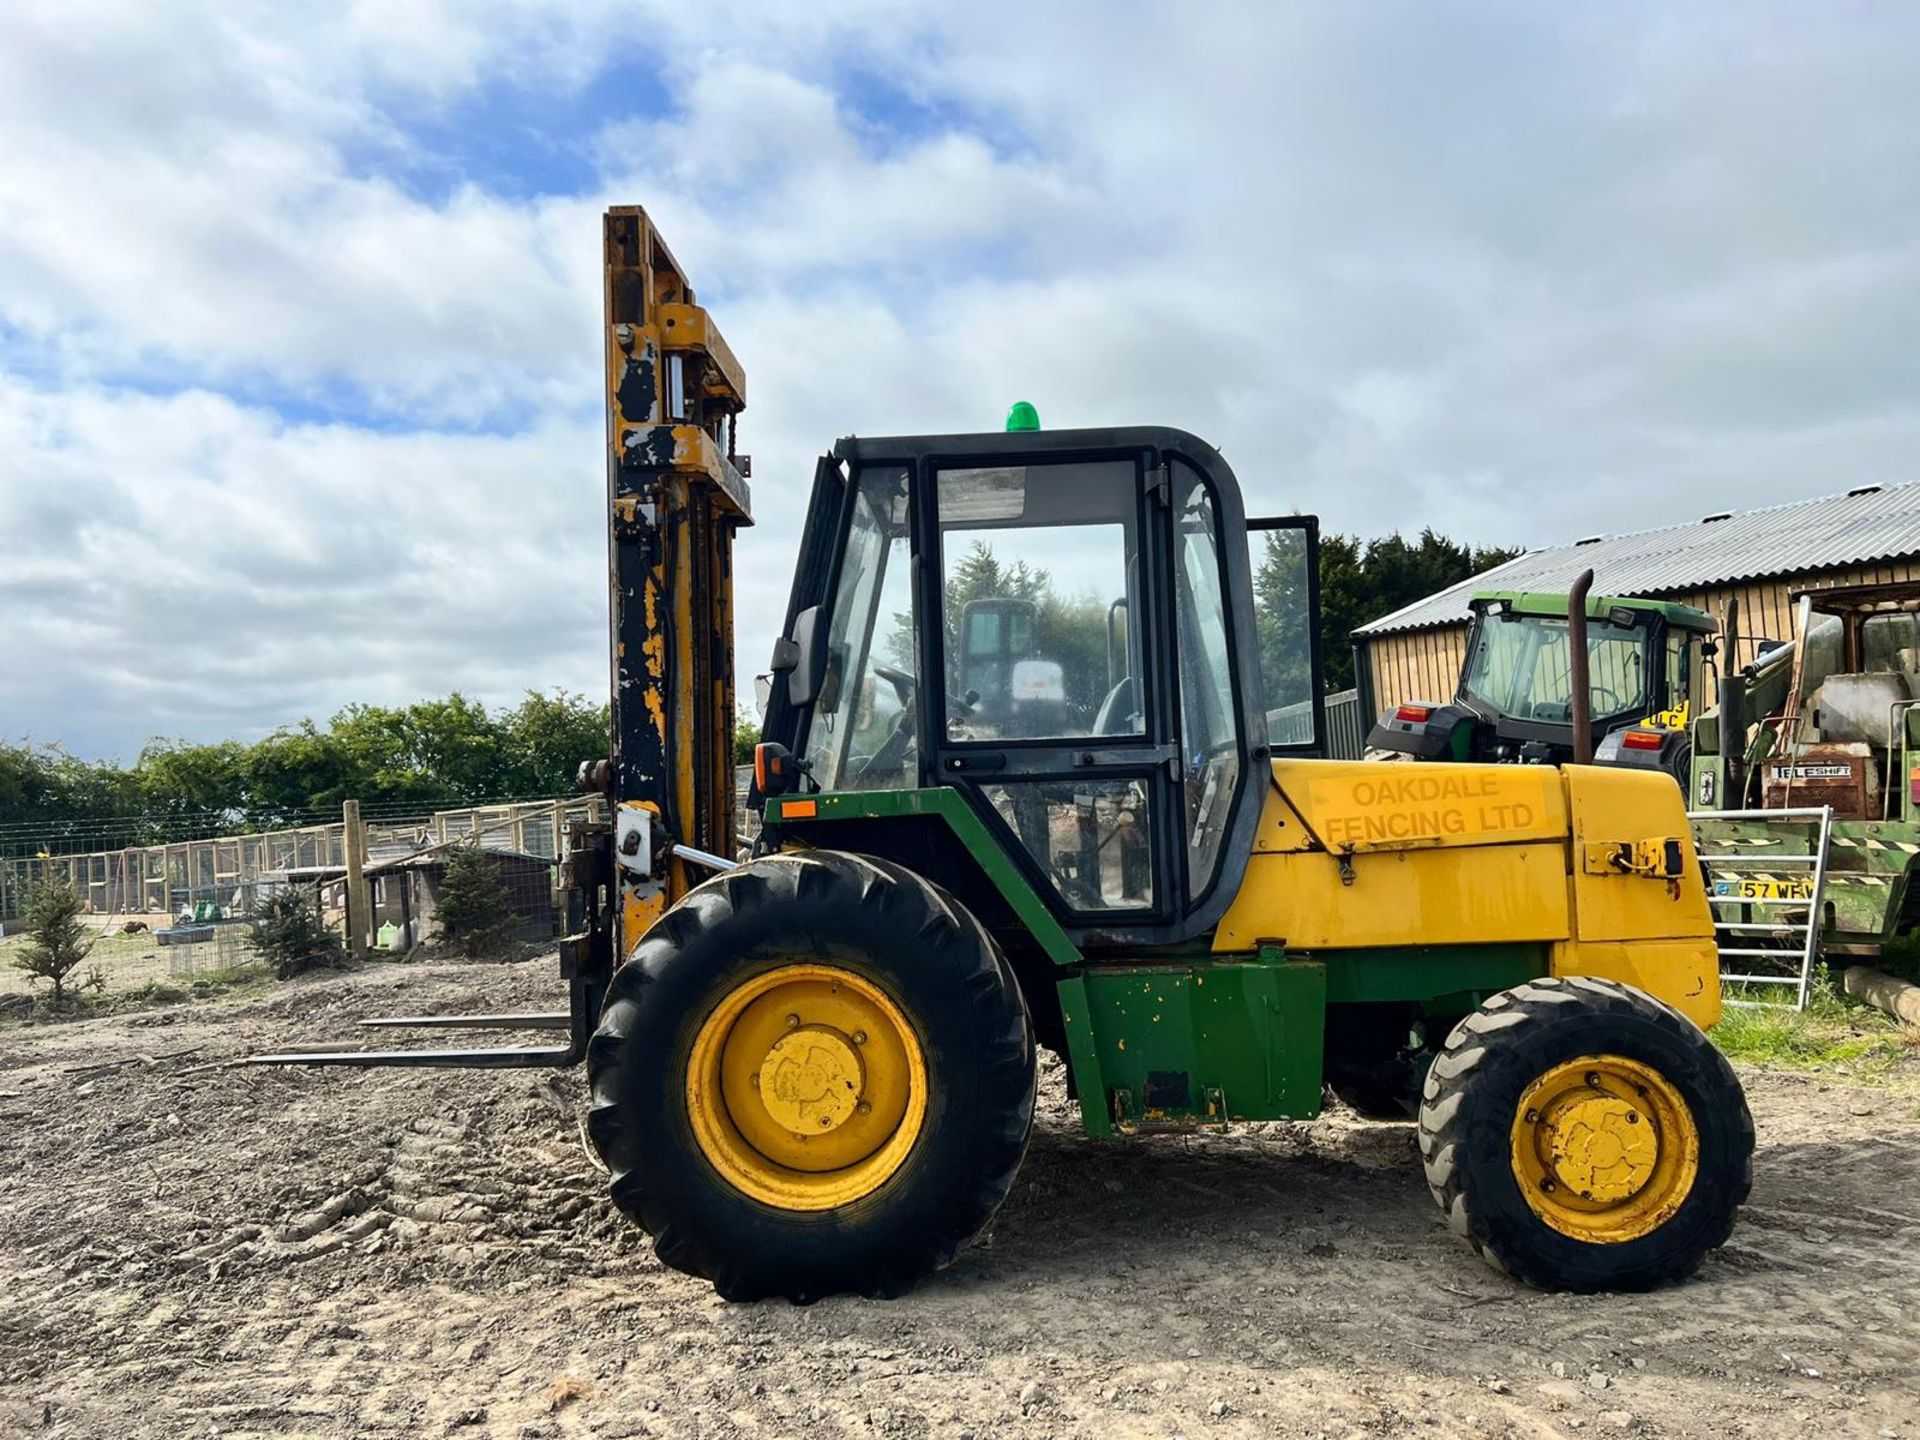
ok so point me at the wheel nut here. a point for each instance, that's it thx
(863, 1108)
(859, 1037)
(793, 1022)
(1547, 1185)
(754, 1080)
(1633, 1117)
(1533, 1117)
(1593, 1079)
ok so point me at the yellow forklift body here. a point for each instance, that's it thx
(1597, 864)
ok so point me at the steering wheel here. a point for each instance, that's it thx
(905, 686)
(891, 757)
(1614, 704)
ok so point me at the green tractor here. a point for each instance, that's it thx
(813, 1066)
(1517, 701)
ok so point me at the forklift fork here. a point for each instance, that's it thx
(586, 963)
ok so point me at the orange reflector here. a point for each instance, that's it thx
(1412, 712)
(1643, 740)
(799, 809)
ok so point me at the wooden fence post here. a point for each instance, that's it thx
(359, 899)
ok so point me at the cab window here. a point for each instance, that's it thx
(1034, 560)
(1209, 719)
(862, 732)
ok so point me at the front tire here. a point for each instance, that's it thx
(1581, 1135)
(813, 1075)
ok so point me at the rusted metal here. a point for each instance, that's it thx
(1577, 678)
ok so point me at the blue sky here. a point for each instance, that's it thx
(299, 337)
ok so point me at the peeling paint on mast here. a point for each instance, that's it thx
(676, 495)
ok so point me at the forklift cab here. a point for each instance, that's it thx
(1061, 627)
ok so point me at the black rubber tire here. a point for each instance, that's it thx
(1466, 1119)
(943, 970)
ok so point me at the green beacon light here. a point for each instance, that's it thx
(1023, 417)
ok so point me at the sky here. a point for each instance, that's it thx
(299, 310)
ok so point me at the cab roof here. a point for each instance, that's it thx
(1551, 603)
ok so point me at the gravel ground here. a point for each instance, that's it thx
(188, 1251)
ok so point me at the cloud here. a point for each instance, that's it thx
(299, 349)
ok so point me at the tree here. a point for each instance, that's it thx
(1360, 581)
(746, 735)
(289, 933)
(546, 737)
(474, 914)
(56, 940)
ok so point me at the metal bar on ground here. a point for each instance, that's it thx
(541, 1020)
(505, 1058)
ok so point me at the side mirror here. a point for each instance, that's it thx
(802, 656)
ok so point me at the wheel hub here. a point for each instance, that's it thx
(1604, 1148)
(1600, 1147)
(811, 1080)
(806, 1086)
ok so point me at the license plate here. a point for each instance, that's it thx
(1765, 889)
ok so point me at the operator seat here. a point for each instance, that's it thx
(1119, 713)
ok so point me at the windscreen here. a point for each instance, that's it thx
(1520, 667)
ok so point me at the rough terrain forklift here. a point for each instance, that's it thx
(1516, 703)
(813, 1070)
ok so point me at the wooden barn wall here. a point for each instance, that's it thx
(1766, 606)
(1419, 665)
(1425, 664)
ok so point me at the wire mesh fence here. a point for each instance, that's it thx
(176, 912)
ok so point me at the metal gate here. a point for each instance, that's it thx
(1766, 876)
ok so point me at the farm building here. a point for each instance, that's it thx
(1758, 557)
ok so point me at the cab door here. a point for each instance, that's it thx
(1065, 744)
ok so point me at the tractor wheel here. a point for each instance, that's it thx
(1581, 1135)
(814, 1074)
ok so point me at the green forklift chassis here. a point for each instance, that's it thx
(1181, 1038)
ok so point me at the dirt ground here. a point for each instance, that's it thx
(188, 1251)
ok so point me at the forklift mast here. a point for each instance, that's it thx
(676, 492)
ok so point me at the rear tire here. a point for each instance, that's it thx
(1581, 1135)
(734, 1196)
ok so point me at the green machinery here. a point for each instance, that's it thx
(1516, 702)
(1828, 721)
(812, 1067)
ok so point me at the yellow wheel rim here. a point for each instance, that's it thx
(1604, 1149)
(806, 1087)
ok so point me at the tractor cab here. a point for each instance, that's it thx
(1646, 664)
(1058, 626)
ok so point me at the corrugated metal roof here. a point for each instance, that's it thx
(1857, 528)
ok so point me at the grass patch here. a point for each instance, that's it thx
(1835, 1034)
